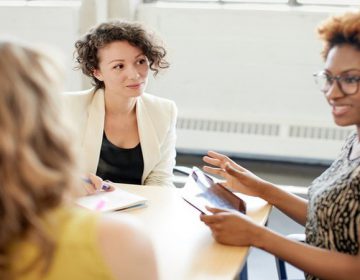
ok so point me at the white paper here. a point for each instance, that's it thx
(110, 201)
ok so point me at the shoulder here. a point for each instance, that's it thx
(113, 226)
(82, 95)
(158, 108)
(76, 103)
(156, 101)
(124, 244)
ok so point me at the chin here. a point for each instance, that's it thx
(343, 123)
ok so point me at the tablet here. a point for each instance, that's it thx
(201, 190)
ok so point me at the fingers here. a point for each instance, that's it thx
(96, 181)
(233, 171)
(212, 161)
(96, 184)
(216, 218)
(213, 170)
(216, 159)
(215, 210)
(89, 188)
(107, 186)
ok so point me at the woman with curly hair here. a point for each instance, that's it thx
(42, 234)
(331, 215)
(127, 135)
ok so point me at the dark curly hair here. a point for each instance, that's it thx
(86, 48)
(338, 30)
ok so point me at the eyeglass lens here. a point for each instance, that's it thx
(348, 84)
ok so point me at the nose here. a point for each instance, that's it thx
(133, 73)
(334, 91)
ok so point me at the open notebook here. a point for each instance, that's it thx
(111, 201)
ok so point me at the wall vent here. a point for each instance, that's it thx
(325, 133)
(263, 129)
(223, 126)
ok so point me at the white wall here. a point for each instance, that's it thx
(241, 74)
(59, 24)
(48, 24)
(239, 71)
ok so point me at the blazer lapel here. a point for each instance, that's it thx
(148, 138)
(94, 131)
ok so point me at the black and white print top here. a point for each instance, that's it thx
(333, 214)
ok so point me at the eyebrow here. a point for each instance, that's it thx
(345, 71)
(121, 60)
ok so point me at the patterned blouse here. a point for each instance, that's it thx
(333, 214)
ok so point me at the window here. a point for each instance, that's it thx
(305, 2)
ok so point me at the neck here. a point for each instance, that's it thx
(115, 104)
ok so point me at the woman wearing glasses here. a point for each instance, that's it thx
(331, 216)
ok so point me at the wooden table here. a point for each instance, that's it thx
(184, 247)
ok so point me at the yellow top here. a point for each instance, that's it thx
(76, 256)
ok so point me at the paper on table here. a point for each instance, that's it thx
(110, 201)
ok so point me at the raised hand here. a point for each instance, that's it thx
(236, 177)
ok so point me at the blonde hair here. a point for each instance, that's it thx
(338, 30)
(37, 165)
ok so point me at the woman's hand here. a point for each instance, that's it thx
(94, 184)
(231, 227)
(236, 177)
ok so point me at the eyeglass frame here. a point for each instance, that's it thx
(338, 80)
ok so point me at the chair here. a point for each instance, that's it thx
(180, 175)
(280, 264)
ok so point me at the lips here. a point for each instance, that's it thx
(339, 110)
(134, 86)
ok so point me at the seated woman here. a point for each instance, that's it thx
(126, 135)
(42, 234)
(331, 216)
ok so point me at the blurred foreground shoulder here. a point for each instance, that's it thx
(124, 246)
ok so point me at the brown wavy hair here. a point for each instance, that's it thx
(86, 48)
(338, 30)
(37, 165)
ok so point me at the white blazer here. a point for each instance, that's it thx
(156, 119)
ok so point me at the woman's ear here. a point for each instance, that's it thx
(97, 75)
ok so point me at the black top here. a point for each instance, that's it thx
(120, 165)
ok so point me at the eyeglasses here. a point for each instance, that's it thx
(347, 83)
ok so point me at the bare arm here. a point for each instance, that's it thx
(240, 179)
(323, 263)
(234, 228)
(126, 249)
(292, 205)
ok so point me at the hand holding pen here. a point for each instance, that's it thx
(95, 184)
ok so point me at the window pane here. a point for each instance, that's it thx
(331, 2)
(224, 1)
(322, 2)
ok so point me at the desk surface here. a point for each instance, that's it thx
(184, 247)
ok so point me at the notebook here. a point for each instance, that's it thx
(111, 201)
(201, 190)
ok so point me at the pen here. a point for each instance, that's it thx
(104, 186)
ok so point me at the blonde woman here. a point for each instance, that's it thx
(42, 234)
